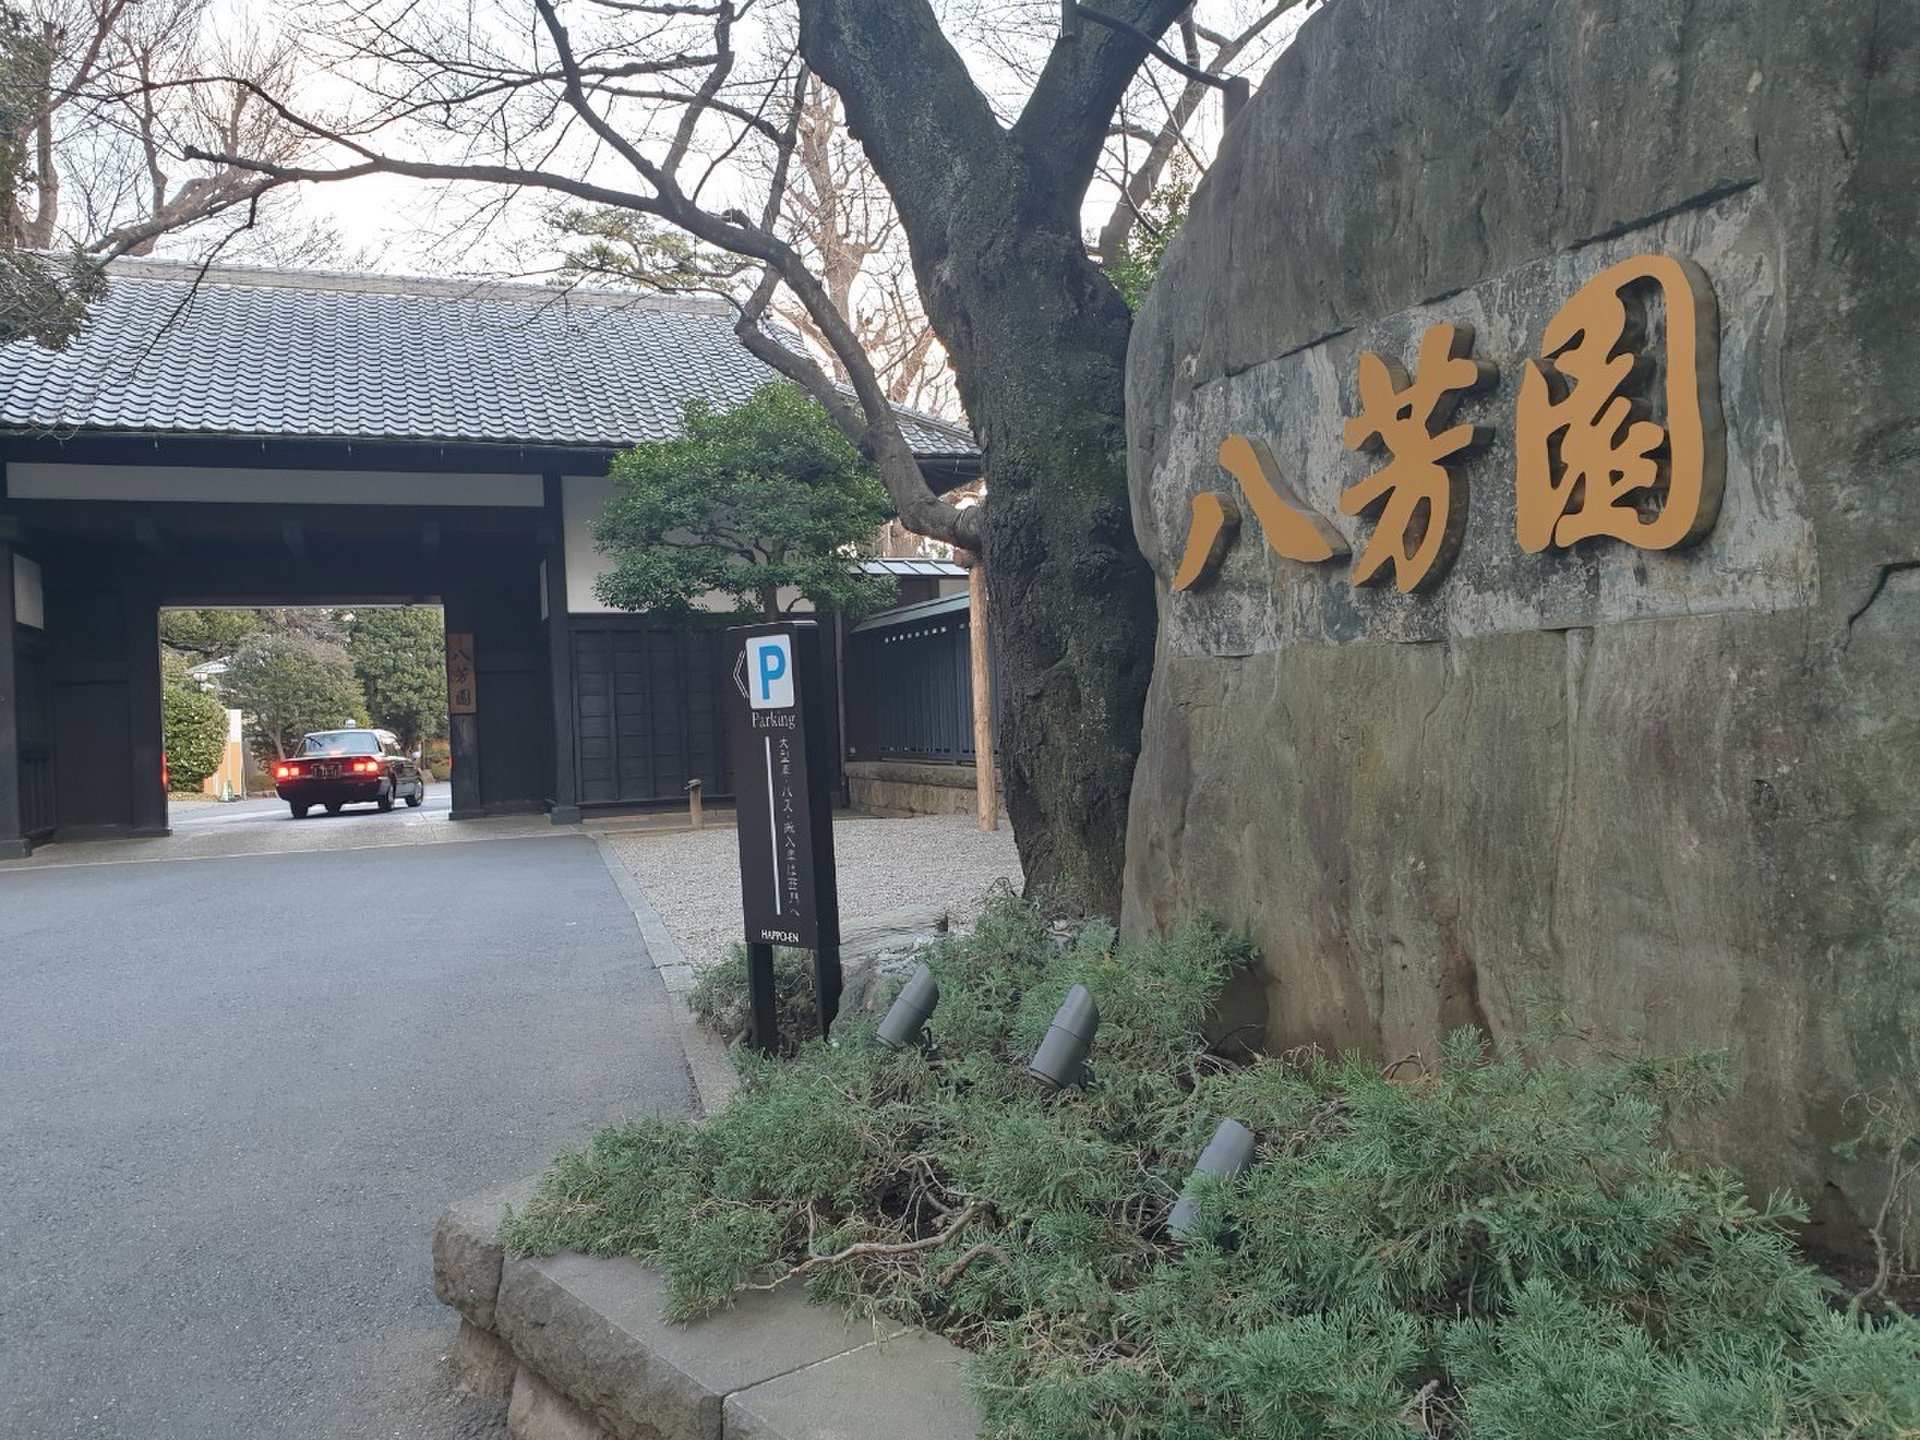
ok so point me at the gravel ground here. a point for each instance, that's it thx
(693, 877)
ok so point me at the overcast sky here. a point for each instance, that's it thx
(392, 224)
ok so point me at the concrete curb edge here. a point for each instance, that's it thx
(708, 1063)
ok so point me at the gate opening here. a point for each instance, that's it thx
(242, 686)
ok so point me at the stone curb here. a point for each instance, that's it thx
(579, 1348)
(709, 1065)
(912, 1387)
(466, 1250)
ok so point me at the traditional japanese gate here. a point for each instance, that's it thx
(263, 438)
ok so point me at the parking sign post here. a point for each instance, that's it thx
(783, 771)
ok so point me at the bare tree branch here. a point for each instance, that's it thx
(1145, 176)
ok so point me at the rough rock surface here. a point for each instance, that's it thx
(467, 1254)
(539, 1412)
(1676, 790)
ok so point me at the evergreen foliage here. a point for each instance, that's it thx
(210, 634)
(607, 245)
(1133, 270)
(290, 684)
(718, 999)
(194, 724)
(1493, 1247)
(399, 655)
(744, 503)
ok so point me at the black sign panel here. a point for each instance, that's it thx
(783, 787)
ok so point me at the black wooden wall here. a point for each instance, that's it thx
(38, 816)
(647, 711)
(514, 690)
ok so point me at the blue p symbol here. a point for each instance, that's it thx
(773, 665)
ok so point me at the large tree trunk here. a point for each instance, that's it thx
(1037, 336)
(1072, 598)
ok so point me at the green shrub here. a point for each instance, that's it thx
(718, 998)
(1492, 1247)
(194, 724)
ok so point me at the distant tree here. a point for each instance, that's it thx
(94, 113)
(209, 634)
(289, 684)
(399, 655)
(318, 623)
(103, 96)
(194, 723)
(745, 504)
(42, 297)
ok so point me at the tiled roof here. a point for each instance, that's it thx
(915, 569)
(317, 355)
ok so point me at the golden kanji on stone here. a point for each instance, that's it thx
(1292, 529)
(1592, 460)
(1425, 509)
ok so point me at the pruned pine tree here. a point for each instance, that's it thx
(755, 508)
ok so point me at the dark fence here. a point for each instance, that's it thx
(909, 685)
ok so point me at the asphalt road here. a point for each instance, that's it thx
(184, 815)
(235, 1094)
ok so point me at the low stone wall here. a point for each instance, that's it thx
(577, 1348)
(894, 787)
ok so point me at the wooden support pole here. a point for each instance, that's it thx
(984, 784)
(761, 1007)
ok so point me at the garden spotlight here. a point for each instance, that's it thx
(1062, 1056)
(1228, 1153)
(907, 1016)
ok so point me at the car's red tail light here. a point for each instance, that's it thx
(284, 772)
(366, 767)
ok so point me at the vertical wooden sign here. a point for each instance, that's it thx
(783, 770)
(462, 695)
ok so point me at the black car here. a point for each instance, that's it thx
(348, 767)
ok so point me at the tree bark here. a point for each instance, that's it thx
(1038, 338)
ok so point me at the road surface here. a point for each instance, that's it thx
(235, 1094)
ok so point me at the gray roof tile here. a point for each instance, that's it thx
(315, 355)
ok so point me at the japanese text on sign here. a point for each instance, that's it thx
(1618, 432)
(461, 688)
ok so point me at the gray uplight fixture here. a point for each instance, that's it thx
(1228, 1153)
(907, 1016)
(1062, 1057)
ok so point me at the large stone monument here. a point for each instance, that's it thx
(1526, 433)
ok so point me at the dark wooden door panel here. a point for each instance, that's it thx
(646, 715)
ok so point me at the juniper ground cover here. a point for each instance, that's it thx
(1492, 1245)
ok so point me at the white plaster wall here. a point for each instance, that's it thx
(583, 498)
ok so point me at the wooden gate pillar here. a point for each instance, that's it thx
(565, 798)
(13, 841)
(145, 721)
(463, 705)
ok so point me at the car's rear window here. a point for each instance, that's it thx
(341, 742)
